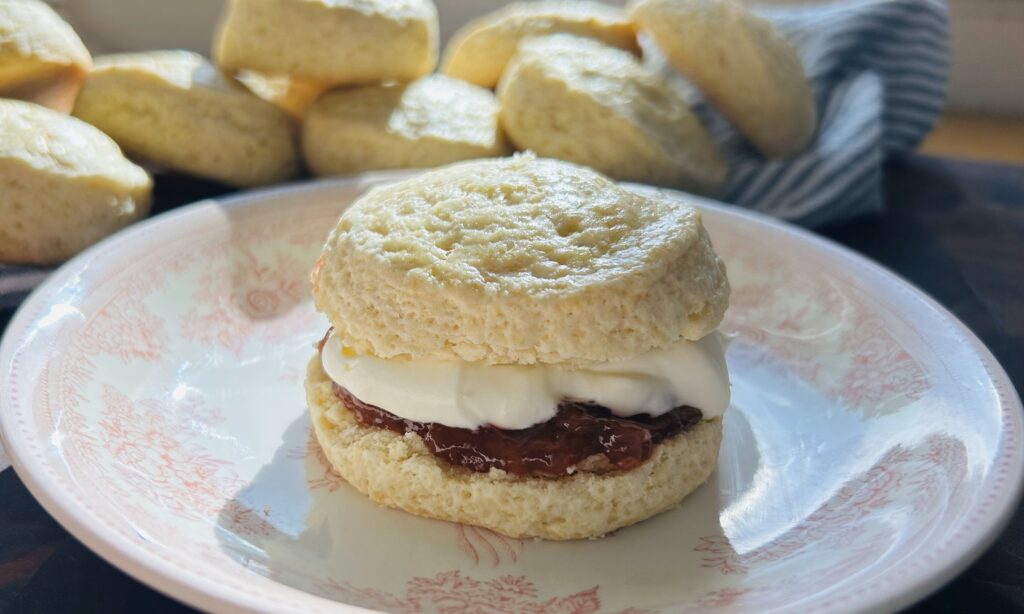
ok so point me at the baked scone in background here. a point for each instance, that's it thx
(429, 122)
(331, 41)
(41, 57)
(177, 110)
(741, 63)
(431, 267)
(579, 100)
(479, 51)
(64, 185)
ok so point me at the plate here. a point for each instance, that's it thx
(152, 401)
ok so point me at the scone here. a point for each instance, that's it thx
(331, 41)
(520, 344)
(41, 57)
(429, 122)
(292, 95)
(177, 110)
(479, 51)
(579, 100)
(64, 185)
(742, 65)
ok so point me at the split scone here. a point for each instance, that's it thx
(479, 51)
(64, 185)
(175, 109)
(339, 42)
(741, 63)
(429, 122)
(41, 57)
(579, 100)
(523, 345)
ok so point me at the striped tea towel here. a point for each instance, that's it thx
(878, 69)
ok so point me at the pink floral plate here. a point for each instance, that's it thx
(152, 401)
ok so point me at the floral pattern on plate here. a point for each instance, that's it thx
(153, 402)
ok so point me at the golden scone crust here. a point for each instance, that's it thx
(41, 57)
(479, 51)
(177, 110)
(331, 41)
(398, 471)
(579, 100)
(292, 95)
(741, 63)
(63, 185)
(429, 122)
(518, 260)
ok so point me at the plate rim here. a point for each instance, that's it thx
(188, 586)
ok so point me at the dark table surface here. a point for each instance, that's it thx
(953, 228)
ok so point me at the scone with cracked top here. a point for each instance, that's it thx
(64, 185)
(177, 110)
(480, 50)
(741, 63)
(428, 122)
(579, 100)
(518, 260)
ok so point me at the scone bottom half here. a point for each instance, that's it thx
(584, 468)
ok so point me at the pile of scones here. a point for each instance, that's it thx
(346, 86)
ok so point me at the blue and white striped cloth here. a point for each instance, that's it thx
(878, 69)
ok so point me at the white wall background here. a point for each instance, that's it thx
(988, 38)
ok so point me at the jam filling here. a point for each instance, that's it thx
(582, 436)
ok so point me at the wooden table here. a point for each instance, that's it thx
(955, 229)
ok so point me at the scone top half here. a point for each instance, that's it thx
(518, 261)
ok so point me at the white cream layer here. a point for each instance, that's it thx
(470, 395)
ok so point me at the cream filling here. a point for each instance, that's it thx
(469, 395)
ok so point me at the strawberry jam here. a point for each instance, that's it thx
(582, 436)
